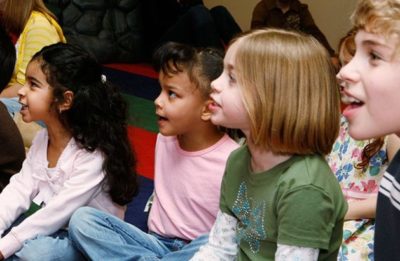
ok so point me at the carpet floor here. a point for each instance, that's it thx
(139, 85)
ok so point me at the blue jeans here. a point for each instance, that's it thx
(56, 246)
(101, 236)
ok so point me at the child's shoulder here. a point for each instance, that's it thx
(239, 152)
(310, 170)
(39, 17)
(227, 141)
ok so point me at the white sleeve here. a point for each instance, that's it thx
(17, 196)
(288, 253)
(222, 244)
(84, 183)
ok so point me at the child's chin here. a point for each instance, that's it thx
(166, 132)
(359, 133)
(26, 119)
(214, 119)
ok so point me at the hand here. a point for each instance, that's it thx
(1, 256)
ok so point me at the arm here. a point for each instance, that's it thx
(84, 182)
(285, 253)
(260, 12)
(367, 208)
(222, 243)
(16, 198)
(361, 208)
(308, 216)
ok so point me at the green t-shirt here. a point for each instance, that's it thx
(298, 202)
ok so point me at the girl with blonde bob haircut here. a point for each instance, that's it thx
(293, 102)
(279, 198)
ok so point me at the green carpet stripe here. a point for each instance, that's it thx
(141, 113)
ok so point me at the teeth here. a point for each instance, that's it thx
(348, 100)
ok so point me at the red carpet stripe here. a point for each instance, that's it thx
(143, 142)
(142, 69)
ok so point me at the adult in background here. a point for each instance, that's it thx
(12, 152)
(291, 15)
(188, 22)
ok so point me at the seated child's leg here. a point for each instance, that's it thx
(187, 251)
(54, 247)
(101, 236)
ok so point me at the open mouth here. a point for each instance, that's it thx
(354, 104)
(24, 107)
(161, 118)
(213, 106)
(350, 100)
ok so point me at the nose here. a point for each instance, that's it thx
(348, 74)
(22, 91)
(215, 85)
(158, 101)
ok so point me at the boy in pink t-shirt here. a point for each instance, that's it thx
(190, 160)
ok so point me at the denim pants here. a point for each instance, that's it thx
(101, 236)
(45, 248)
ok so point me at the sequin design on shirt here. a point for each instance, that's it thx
(250, 215)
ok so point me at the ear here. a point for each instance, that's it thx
(68, 98)
(205, 112)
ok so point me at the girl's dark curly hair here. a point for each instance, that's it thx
(203, 65)
(98, 115)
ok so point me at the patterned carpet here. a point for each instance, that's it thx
(139, 85)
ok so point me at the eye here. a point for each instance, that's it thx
(374, 56)
(32, 85)
(232, 79)
(171, 94)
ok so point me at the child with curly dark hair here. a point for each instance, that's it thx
(82, 158)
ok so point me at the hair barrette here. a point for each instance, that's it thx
(103, 78)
